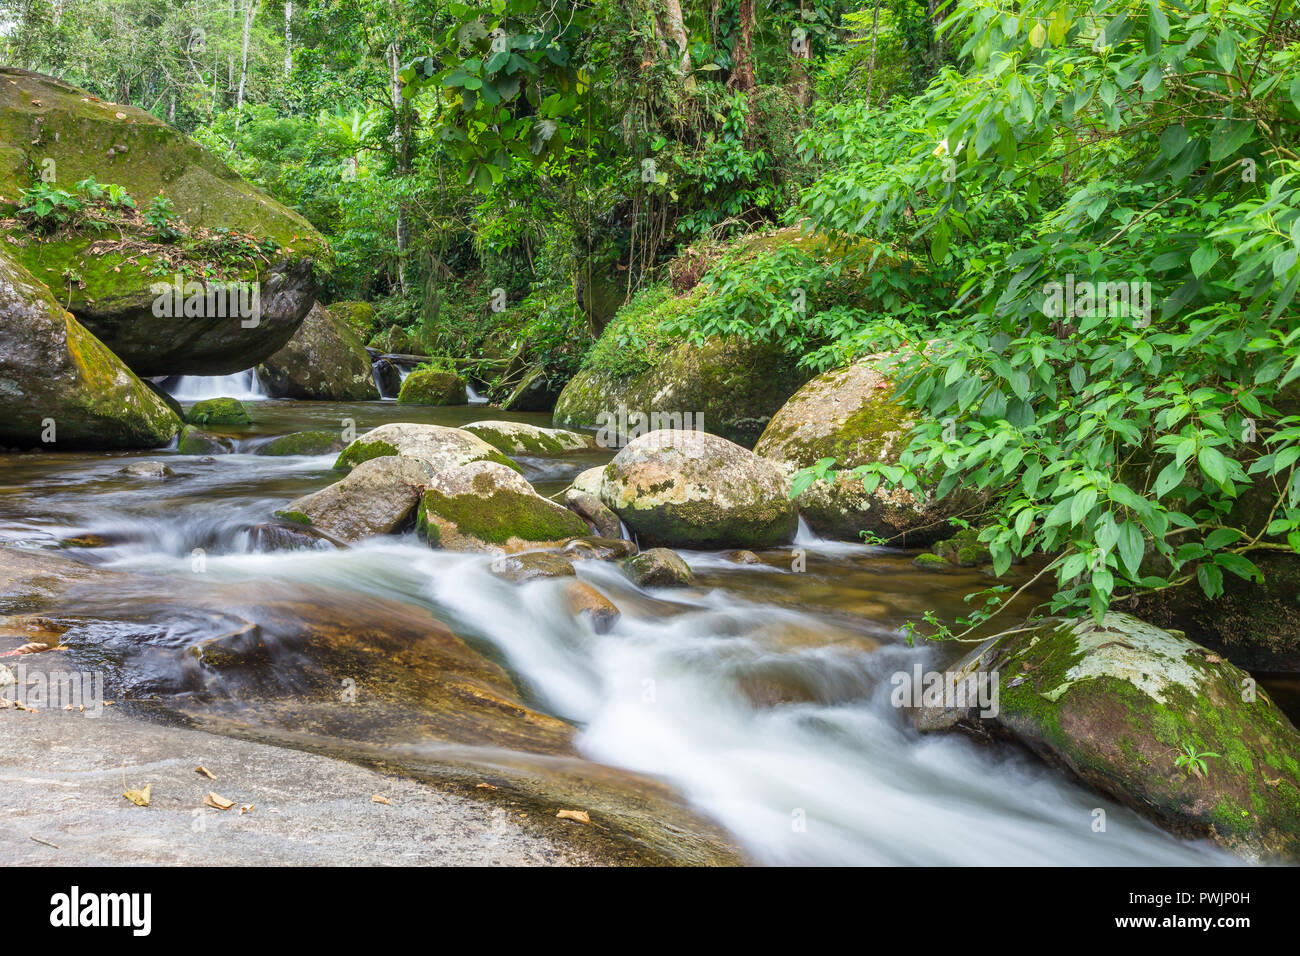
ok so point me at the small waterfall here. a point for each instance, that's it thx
(194, 388)
(474, 397)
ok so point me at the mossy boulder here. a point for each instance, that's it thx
(1118, 703)
(195, 441)
(431, 386)
(302, 443)
(518, 438)
(659, 568)
(851, 414)
(392, 341)
(43, 119)
(358, 316)
(485, 506)
(218, 411)
(690, 489)
(377, 497)
(441, 447)
(324, 361)
(59, 382)
(729, 387)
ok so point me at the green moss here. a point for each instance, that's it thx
(219, 411)
(497, 517)
(360, 451)
(302, 443)
(193, 441)
(359, 316)
(931, 562)
(433, 387)
(297, 517)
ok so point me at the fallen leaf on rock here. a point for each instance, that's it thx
(486, 786)
(216, 802)
(34, 647)
(577, 816)
(139, 797)
(245, 808)
(384, 800)
(205, 771)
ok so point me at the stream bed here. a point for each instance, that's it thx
(760, 697)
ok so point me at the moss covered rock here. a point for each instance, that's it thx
(44, 119)
(1120, 702)
(218, 411)
(195, 441)
(431, 386)
(728, 387)
(659, 568)
(484, 506)
(302, 443)
(357, 316)
(324, 361)
(691, 489)
(850, 414)
(518, 438)
(377, 497)
(59, 382)
(441, 447)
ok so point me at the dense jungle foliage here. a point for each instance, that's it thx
(1077, 224)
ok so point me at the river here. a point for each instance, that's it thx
(761, 695)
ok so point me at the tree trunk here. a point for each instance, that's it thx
(288, 37)
(249, 13)
(401, 136)
(677, 30)
(742, 54)
(871, 63)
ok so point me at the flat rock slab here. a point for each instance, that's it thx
(62, 775)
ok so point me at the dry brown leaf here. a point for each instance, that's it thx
(486, 786)
(33, 647)
(139, 797)
(577, 816)
(384, 800)
(205, 771)
(216, 802)
(245, 808)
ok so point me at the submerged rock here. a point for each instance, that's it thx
(43, 119)
(431, 386)
(594, 548)
(147, 469)
(302, 443)
(691, 489)
(584, 601)
(531, 566)
(442, 448)
(324, 361)
(484, 506)
(1150, 718)
(517, 438)
(218, 411)
(60, 387)
(377, 497)
(850, 414)
(659, 568)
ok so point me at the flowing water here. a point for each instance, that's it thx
(761, 694)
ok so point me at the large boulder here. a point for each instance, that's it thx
(518, 438)
(59, 382)
(240, 235)
(850, 414)
(324, 361)
(377, 497)
(1146, 716)
(432, 386)
(484, 506)
(691, 489)
(441, 447)
(727, 387)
